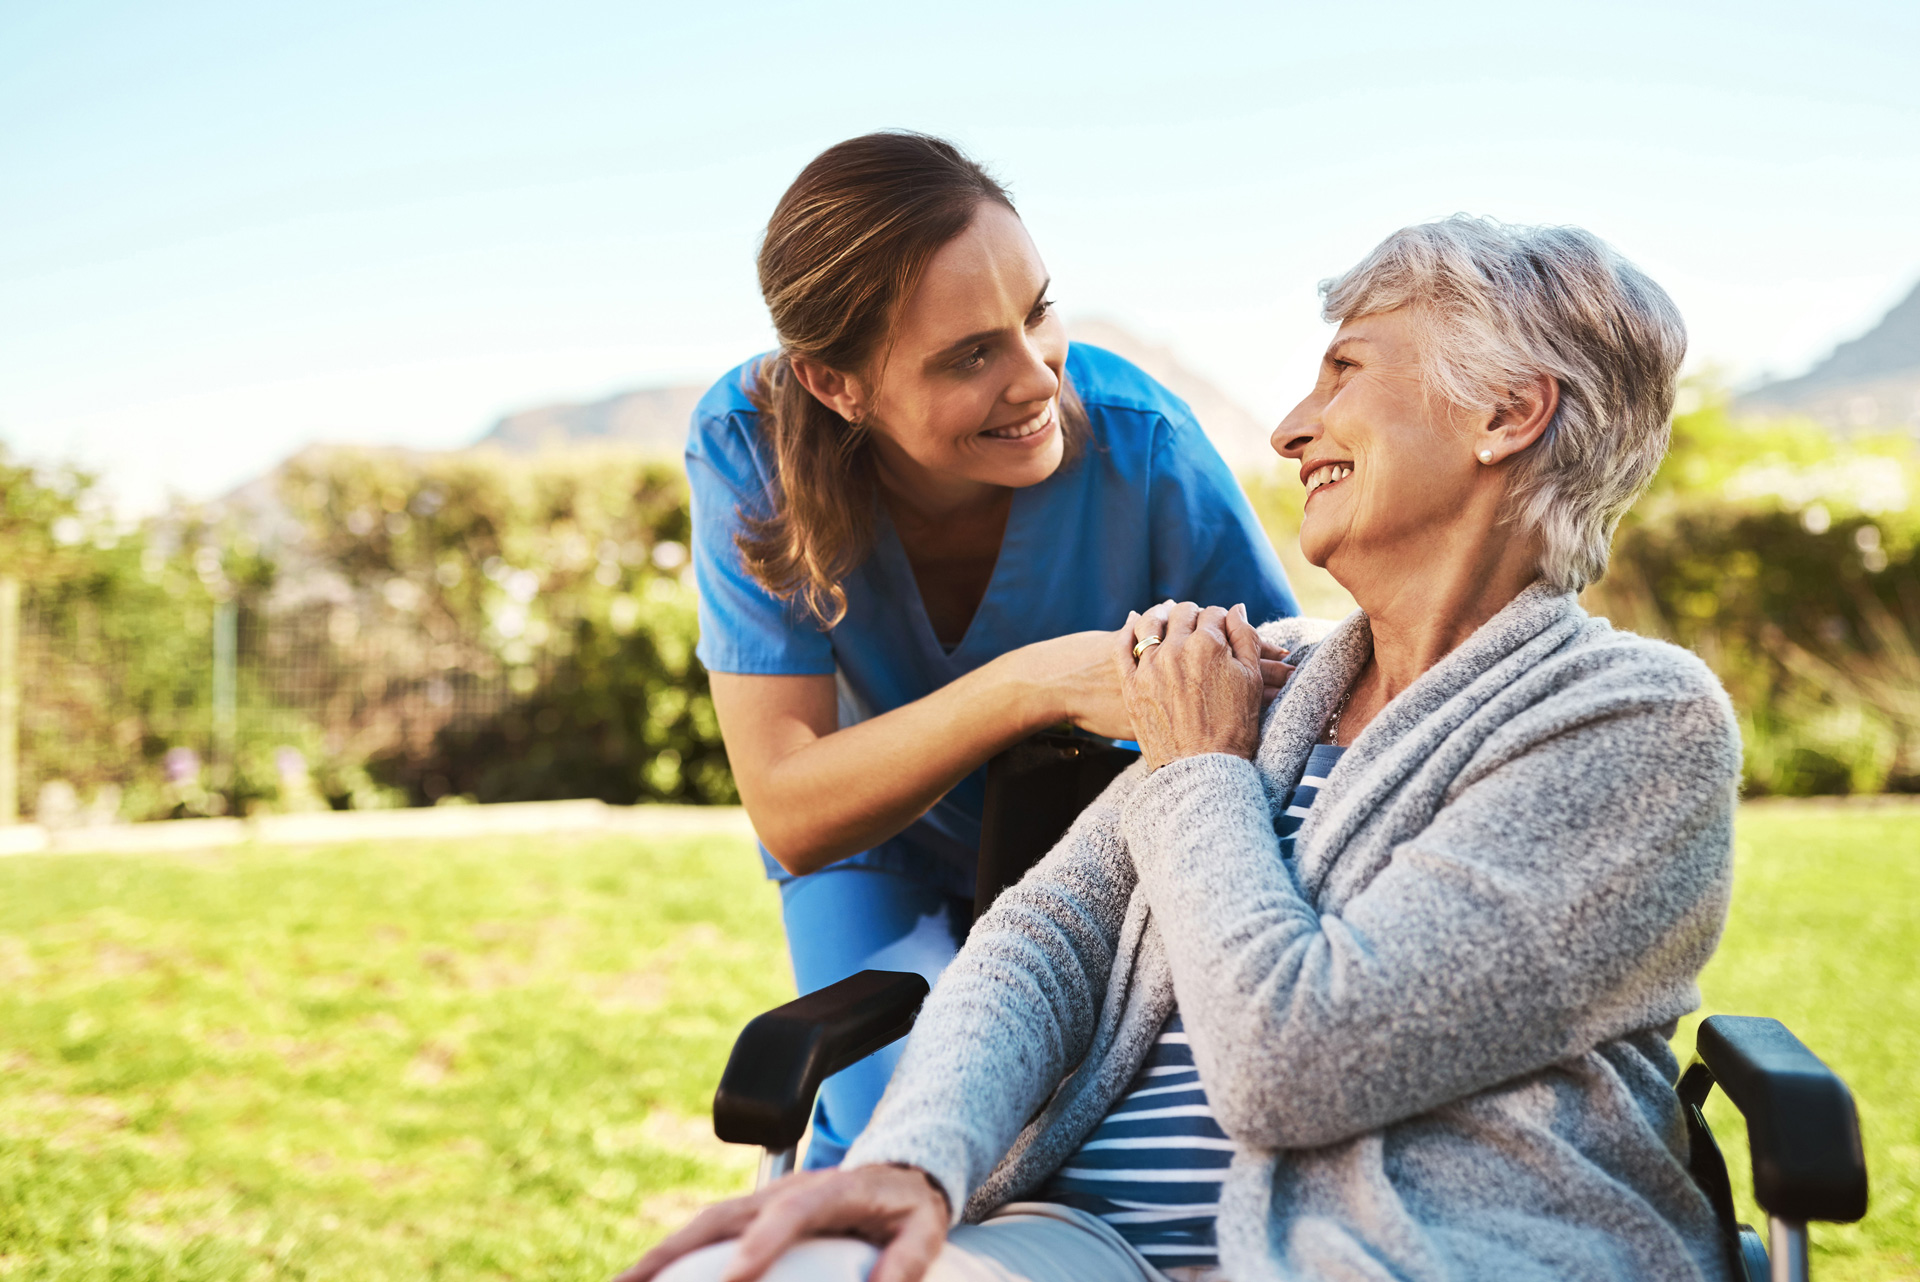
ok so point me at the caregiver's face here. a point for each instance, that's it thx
(970, 389)
(1385, 462)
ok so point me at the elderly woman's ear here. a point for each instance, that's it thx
(1520, 422)
(1193, 681)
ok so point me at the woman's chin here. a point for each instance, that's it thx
(1315, 551)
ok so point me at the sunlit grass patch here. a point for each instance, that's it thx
(486, 1059)
(1825, 936)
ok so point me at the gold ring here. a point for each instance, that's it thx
(1141, 647)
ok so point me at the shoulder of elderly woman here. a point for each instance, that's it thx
(1627, 660)
(1610, 676)
(1601, 673)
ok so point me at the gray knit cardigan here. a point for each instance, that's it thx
(1438, 1035)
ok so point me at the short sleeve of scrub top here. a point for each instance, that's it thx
(1145, 511)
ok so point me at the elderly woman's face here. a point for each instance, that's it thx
(1384, 462)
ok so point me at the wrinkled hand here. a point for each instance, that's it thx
(897, 1208)
(1201, 688)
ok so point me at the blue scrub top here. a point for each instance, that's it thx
(1146, 511)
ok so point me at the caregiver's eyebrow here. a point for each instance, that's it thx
(954, 348)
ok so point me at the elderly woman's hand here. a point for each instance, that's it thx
(898, 1208)
(1194, 681)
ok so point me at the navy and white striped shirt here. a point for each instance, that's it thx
(1152, 1168)
(1320, 763)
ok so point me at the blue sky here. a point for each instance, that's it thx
(228, 229)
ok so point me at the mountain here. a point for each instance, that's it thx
(1870, 381)
(654, 419)
(1239, 437)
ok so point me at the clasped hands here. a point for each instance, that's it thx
(1196, 680)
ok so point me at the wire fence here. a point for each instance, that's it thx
(240, 701)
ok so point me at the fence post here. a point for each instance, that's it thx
(225, 690)
(9, 699)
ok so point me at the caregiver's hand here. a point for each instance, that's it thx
(1197, 687)
(1075, 672)
(897, 1208)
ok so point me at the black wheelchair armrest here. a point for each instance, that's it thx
(1802, 1129)
(780, 1059)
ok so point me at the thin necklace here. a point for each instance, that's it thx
(1333, 726)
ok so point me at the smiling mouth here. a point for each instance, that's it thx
(1325, 474)
(1027, 427)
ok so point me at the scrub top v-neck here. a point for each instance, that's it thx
(1146, 511)
(887, 544)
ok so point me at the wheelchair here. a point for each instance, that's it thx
(1803, 1132)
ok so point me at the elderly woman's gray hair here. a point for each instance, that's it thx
(1498, 306)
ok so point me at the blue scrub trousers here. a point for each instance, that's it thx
(844, 920)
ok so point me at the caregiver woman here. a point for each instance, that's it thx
(914, 527)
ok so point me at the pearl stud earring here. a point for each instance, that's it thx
(1486, 456)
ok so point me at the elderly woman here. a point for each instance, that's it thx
(1380, 989)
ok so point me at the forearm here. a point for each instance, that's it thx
(824, 798)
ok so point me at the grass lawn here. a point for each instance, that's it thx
(461, 1060)
(494, 1059)
(1825, 935)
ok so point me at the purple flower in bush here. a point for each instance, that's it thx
(182, 765)
(291, 765)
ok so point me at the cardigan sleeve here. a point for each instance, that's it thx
(1567, 893)
(1013, 1014)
